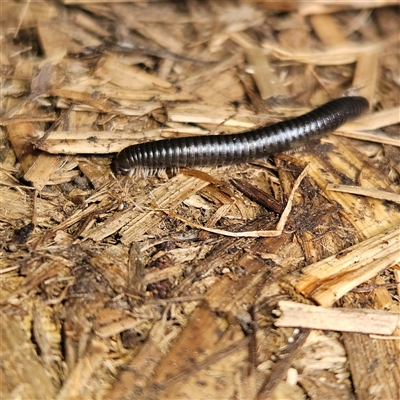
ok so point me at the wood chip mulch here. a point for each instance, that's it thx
(278, 279)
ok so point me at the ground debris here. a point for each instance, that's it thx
(191, 283)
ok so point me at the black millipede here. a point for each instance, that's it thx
(150, 157)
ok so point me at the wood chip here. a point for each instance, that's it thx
(376, 194)
(337, 319)
(328, 280)
(165, 286)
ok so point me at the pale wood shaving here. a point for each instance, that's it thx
(118, 327)
(328, 30)
(337, 319)
(55, 43)
(14, 206)
(157, 275)
(381, 337)
(328, 280)
(375, 120)
(125, 76)
(43, 169)
(120, 93)
(197, 80)
(366, 75)
(337, 55)
(369, 137)
(374, 193)
(324, 7)
(268, 83)
(80, 97)
(204, 114)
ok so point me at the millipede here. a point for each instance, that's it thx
(151, 157)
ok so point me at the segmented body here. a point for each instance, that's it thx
(242, 147)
